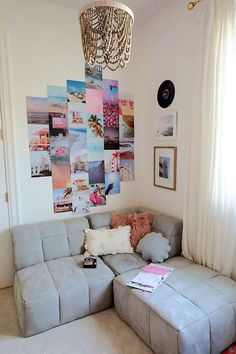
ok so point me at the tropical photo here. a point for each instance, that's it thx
(76, 91)
(93, 77)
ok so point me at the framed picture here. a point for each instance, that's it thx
(165, 159)
(166, 126)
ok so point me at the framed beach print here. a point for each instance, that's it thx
(165, 159)
(166, 126)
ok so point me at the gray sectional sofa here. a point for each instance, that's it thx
(193, 311)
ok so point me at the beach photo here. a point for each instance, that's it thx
(57, 101)
(38, 137)
(62, 201)
(37, 110)
(60, 141)
(78, 161)
(127, 170)
(165, 126)
(95, 148)
(111, 115)
(80, 204)
(78, 138)
(76, 115)
(76, 91)
(112, 183)
(127, 149)
(61, 178)
(112, 161)
(96, 172)
(111, 137)
(126, 127)
(111, 92)
(94, 101)
(126, 105)
(60, 155)
(93, 77)
(97, 195)
(80, 183)
(40, 164)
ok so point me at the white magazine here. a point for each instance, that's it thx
(150, 277)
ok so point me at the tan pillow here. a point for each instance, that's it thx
(141, 224)
(107, 241)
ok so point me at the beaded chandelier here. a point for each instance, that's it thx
(106, 32)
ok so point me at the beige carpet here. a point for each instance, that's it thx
(102, 333)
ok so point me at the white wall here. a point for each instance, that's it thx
(166, 47)
(45, 48)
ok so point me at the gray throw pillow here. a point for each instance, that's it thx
(154, 247)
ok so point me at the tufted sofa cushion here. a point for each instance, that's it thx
(39, 242)
(193, 311)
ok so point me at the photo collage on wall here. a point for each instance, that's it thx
(84, 137)
(111, 134)
(60, 149)
(77, 125)
(38, 132)
(127, 138)
(95, 121)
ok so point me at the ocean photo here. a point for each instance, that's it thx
(78, 138)
(76, 91)
(37, 110)
(93, 77)
(96, 172)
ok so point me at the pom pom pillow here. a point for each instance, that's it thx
(154, 247)
(107, 241)
(141, 224)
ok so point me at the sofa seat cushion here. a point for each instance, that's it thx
(100, 284)
(81, 291)
(37, 299)
(120, 263)
(193, 311)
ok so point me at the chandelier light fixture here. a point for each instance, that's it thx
(106, 33)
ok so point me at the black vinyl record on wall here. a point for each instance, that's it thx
(166, 93)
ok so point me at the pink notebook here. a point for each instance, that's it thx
(156, 269)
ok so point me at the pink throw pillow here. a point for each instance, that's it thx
(141, 224)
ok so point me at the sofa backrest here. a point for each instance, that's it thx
(39, 242)
(169, 226)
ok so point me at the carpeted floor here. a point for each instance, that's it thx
(102, 333)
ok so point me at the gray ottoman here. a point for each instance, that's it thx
(192, 312)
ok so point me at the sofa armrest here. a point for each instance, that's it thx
(170, 227)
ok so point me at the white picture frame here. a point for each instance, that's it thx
(166, 126)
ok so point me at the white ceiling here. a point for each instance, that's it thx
(143, 9)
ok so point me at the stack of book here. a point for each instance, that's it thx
(150, 277)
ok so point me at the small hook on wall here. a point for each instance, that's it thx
(192, 4)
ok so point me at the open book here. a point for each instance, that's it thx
(150, 277)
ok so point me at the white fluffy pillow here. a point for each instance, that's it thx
(101, 242)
